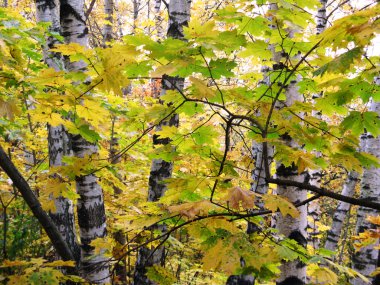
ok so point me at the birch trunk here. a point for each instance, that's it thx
(158, 19)
(136, 7)
(107, 29)
(179, 16)
(365, 260)
(313, 208)
(341, 211)
(58, 140)
(258, 185)
(91, 212)
(292, 272)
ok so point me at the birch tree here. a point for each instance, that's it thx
(91, 212)
(292, 272)
(179, 16)
(340, 214)
(313, 208)
(58, 140)
(365, 260)
(108, 27)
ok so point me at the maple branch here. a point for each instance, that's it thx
(324, 192)
(199, 218)
(51, 230)
(211, 76)
(88, 12)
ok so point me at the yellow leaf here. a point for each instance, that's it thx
(164, 69)
(222, 256)
(374, 219)
(69, 49)
(237, 195)
(202, 90)
(322, 275)
(70, 263)
(11, 263)
(192, 209)
(375, 272)
(274, 202)
(197, 29)
(50, 77)
(9, 109)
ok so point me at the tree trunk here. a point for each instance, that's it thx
(58, 140)
(258, 185)
(107, 30)
(340, 214)
(136, 7)
(313, 208)
(91, 212)
(365, 260)
(158, 19)
(35, 206)
(179, 16)
(292, 272)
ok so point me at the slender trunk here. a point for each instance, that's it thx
(91, 212)
(313, 209)
(119, 236)
(258, 185)
(340, 214)
(58, 141)
(365, 260)
(35, 206)
(292, 272)
(136, 7)
(158, 19)
(179, 16)
(107, 29)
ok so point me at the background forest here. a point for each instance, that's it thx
(189, 142)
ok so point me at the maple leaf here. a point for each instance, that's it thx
(374, 220)
(321, 275)
(192, 209)
(274, 202)
(237, 195)
(215, 257)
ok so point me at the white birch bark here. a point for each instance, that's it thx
(107, 29)
(136, 8)
(48, 11)
(179, 16)
(313, 208)
(158, 19)
(341, 211)
(58, 140)
(91, 212)
(292, 272)
(365, 260)
(258, 185)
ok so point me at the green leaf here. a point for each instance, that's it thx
(88, 134)
(359, 123)
(160, 275)
(341, 64)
